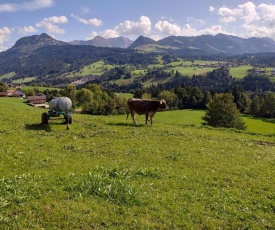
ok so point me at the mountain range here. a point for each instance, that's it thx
(204, 44)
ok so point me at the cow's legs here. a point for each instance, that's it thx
(151, 114)
(151, 120)
(146, 119)
(133, 117)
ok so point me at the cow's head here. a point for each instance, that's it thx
(162, 103)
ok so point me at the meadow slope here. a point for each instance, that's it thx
(105, 173)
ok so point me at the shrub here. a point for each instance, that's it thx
(222, 112)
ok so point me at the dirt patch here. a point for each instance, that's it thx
(265, 143)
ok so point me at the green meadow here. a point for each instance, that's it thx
(96, 69)
(106, 173)
(8, 75)
(39, 88)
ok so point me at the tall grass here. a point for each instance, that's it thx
(106, 173)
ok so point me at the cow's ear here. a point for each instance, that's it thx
(160, 102)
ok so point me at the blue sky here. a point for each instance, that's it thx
(69, 20)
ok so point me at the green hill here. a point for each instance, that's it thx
(105, 173)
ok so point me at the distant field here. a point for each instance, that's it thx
(190, 71)
(24, 80)
(124, 95)
(8, 75)
(96, 69)
(239, 72)
(41, 89)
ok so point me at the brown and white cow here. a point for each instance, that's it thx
(144, 106)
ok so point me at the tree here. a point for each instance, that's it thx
(196, 97)
(223, 112)
(206, 99)
(183, 97)
(170, 98)
(146, 96)
(30, 92)
(84, 97)
(3, 87)
(241, 99)
(255, 106)
(70, 92)
(269, 105)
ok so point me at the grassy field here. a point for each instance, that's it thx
(8, 75)
(105, 173)
(40, 88)
(96, 69)
(24, 80)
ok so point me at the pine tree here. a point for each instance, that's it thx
(223, 112)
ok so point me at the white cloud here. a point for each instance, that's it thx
(26, 6)
(195, 20)
(27, 30)
(50, 24)
(143, 26)
(4, 34)
(247, 12)
(167, 28)
(105, 34)
(257, 31)
(211, 9)
(109, 34)
(224, 12)
(267, 12)
(56, 20)
(227, 20)
(93, 22)
(92, 35)
(256, 20)
(213, 30)
(187, 30)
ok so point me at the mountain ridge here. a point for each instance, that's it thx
(31, 43)
(203, 44)
(119, 42)
(220, 43)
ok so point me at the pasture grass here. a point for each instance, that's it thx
(39, 88)
(106, 173)
(8, 75)
(240, 71)
(24, 80)
(95, 69)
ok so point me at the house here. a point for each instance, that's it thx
(10, 92)
(260, 71)
(19, 93)
(3, 94)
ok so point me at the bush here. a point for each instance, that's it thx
(222, 112)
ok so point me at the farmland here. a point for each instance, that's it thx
(105, 173)
(184, 67)
(136, 72)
